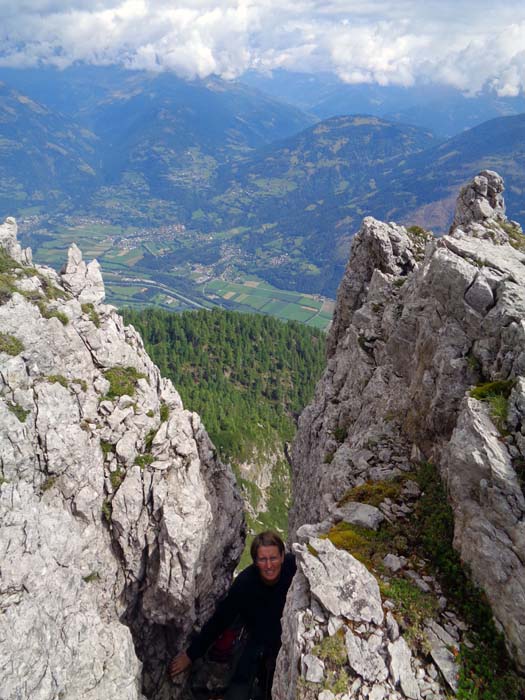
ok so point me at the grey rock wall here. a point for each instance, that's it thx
(119, 528)
(419, 322)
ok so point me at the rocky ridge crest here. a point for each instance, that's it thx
(420, 326)
(119, 526)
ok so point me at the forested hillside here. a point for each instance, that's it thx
(247, 375)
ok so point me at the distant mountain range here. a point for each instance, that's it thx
(291, 199)
(45, 157)
(255, 185)
(442, 109)
(306, 196)
(149, 136)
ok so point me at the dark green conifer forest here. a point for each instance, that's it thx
(247, 375)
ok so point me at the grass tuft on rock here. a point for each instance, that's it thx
(89, 310)
(516, 237)
(47, 312)
(7, 287)
(18, 411)
(122, 381)
(108, 448)
(7, 263)
(144, 460)
(367, 546)
(107, 510)
(413, 607)
(90, 578)
(50, 291)
(58, 379)
(496, 394)
(116, 478)
(164, 412)
(332, 651)
(49, 483)
(374, 492)
(10, 345)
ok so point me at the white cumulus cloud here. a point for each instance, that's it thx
(463, 43)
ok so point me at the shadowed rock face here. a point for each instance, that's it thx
(418, 322)
(119, 528)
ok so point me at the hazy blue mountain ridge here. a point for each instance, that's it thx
(442, 109)
(424, 186)
(295, 205)
(292, 196)
(45, 157)
(156, 136)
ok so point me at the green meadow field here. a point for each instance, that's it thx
(130, 283)
(260, 296)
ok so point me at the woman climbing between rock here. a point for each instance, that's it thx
(256, 597)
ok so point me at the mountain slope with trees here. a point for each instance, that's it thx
(46, 158)
(156, 140)
(248, 376)
(424, 187)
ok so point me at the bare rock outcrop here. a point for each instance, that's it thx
(119, 526)
(338, 640)
(419, 323)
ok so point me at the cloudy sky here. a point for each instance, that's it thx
(464, 43)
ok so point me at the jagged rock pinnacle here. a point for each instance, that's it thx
(419, 322)
(10, 244)
(480, 200)
(84, 281)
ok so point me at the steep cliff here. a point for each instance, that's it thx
(426, 362)
(119, 526)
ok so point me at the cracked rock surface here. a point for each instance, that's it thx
(119, 528)
(418, 323)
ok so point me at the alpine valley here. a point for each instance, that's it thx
(204, 193)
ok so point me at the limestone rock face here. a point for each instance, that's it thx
(342, 622)
(480, 200)
(119, 528)
(9, 242)
(419, 322)
(83, 281)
